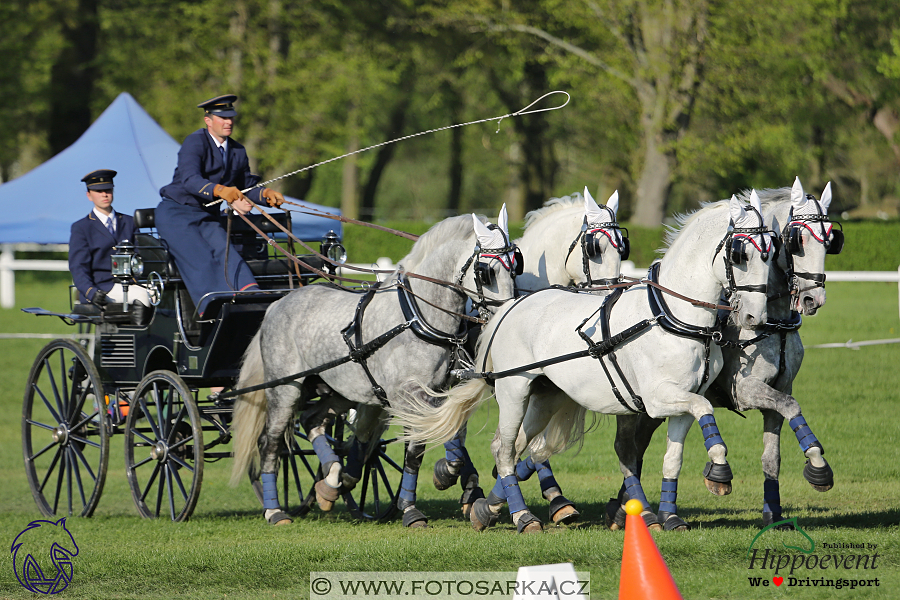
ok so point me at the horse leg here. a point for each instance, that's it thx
(633, 435)
(628, 463)
(368, 426)
(280, 412)
(315, 421)
(771, 464)
(406, 499)
(755, 393)
(485, 511)
(678, 430)
(456, 465)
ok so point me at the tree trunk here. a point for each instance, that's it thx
(72, 77)
(350, 181)
(654, 183)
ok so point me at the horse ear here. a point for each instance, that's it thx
(591, 208)
(798, 198)
(503, 220)
(754, 201)
(737, 210)
(826, 198)
(481, 231)
(613, 202)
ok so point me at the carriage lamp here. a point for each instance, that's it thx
(332, 248)
(125, 265)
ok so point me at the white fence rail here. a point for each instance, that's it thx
(9, 264)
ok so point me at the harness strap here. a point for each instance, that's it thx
(360, 352)
(419, 326)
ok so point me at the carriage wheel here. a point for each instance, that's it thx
(65, 432)
(164, 447)
(299, 471)
(374, 498)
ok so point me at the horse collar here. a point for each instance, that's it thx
(424, 330)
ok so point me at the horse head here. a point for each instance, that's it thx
(603, 246)
(807, 238)
(495, 263)
(746, 265)
(40, 545)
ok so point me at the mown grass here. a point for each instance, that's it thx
(226, 550)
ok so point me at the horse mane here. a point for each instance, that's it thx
(552, 205)
(458, 227)
(767, 198)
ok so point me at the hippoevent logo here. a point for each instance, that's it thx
(801, 566)
(42, 556)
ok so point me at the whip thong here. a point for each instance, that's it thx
(528, 110)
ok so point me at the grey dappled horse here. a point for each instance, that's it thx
(305, 330)
(760, 375)
(570, 241)
(665, 373)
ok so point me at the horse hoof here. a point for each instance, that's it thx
(326, 495)
(821, 478)
(442, 477)
(565, 515)
(651, 521)
(413, 518)
(718, 488)
(279, 518)
(615, 515)
(481, 516)
(672, 522)
(528, 523)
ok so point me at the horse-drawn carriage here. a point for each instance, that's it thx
(142, 372)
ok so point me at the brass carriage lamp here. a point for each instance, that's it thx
(332, 248)
(126, 265)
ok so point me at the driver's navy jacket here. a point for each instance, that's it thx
(90, 251)
(200, 167)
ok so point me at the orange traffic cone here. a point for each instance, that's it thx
(644, 575)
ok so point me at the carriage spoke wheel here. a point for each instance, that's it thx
(164, 447)
(65, 434)
(374, 497)
(298, 475)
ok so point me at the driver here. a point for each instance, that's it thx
(91, 244)
(210, 166)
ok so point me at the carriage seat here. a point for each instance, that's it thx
(114, 312)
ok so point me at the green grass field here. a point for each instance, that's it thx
(227, 551)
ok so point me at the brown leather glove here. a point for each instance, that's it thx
(227, 193)
(275, 199)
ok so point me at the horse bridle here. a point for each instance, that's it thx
(484, 274)
(590, 246)
(791, 240)
(735, 240)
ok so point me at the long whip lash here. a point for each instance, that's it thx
(518, 113)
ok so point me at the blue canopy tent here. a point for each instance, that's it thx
(40, 206)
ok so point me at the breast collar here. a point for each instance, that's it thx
(419, 325)
(670, 322)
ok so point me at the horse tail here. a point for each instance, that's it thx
(438, 420)
(565, 430)
(249, 416)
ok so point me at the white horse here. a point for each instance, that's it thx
(570, 241)
(664, 374)
(391, 336)
(760, 366)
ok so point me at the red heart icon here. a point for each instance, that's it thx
(778, 580)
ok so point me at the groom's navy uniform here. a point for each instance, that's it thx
(90, 251)
(193, 231)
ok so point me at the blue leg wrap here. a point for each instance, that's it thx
(804, 434)
(354, 459)
(635, 491)
(270, 490)
(710, 431)
(324, 452)
(525, 469)
(669, 495)
(408, 486)
(454, 450)
(771, 497)
(545, 475)
(508, 487)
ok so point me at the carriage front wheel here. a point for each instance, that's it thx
(65, 431)
(164, 447)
